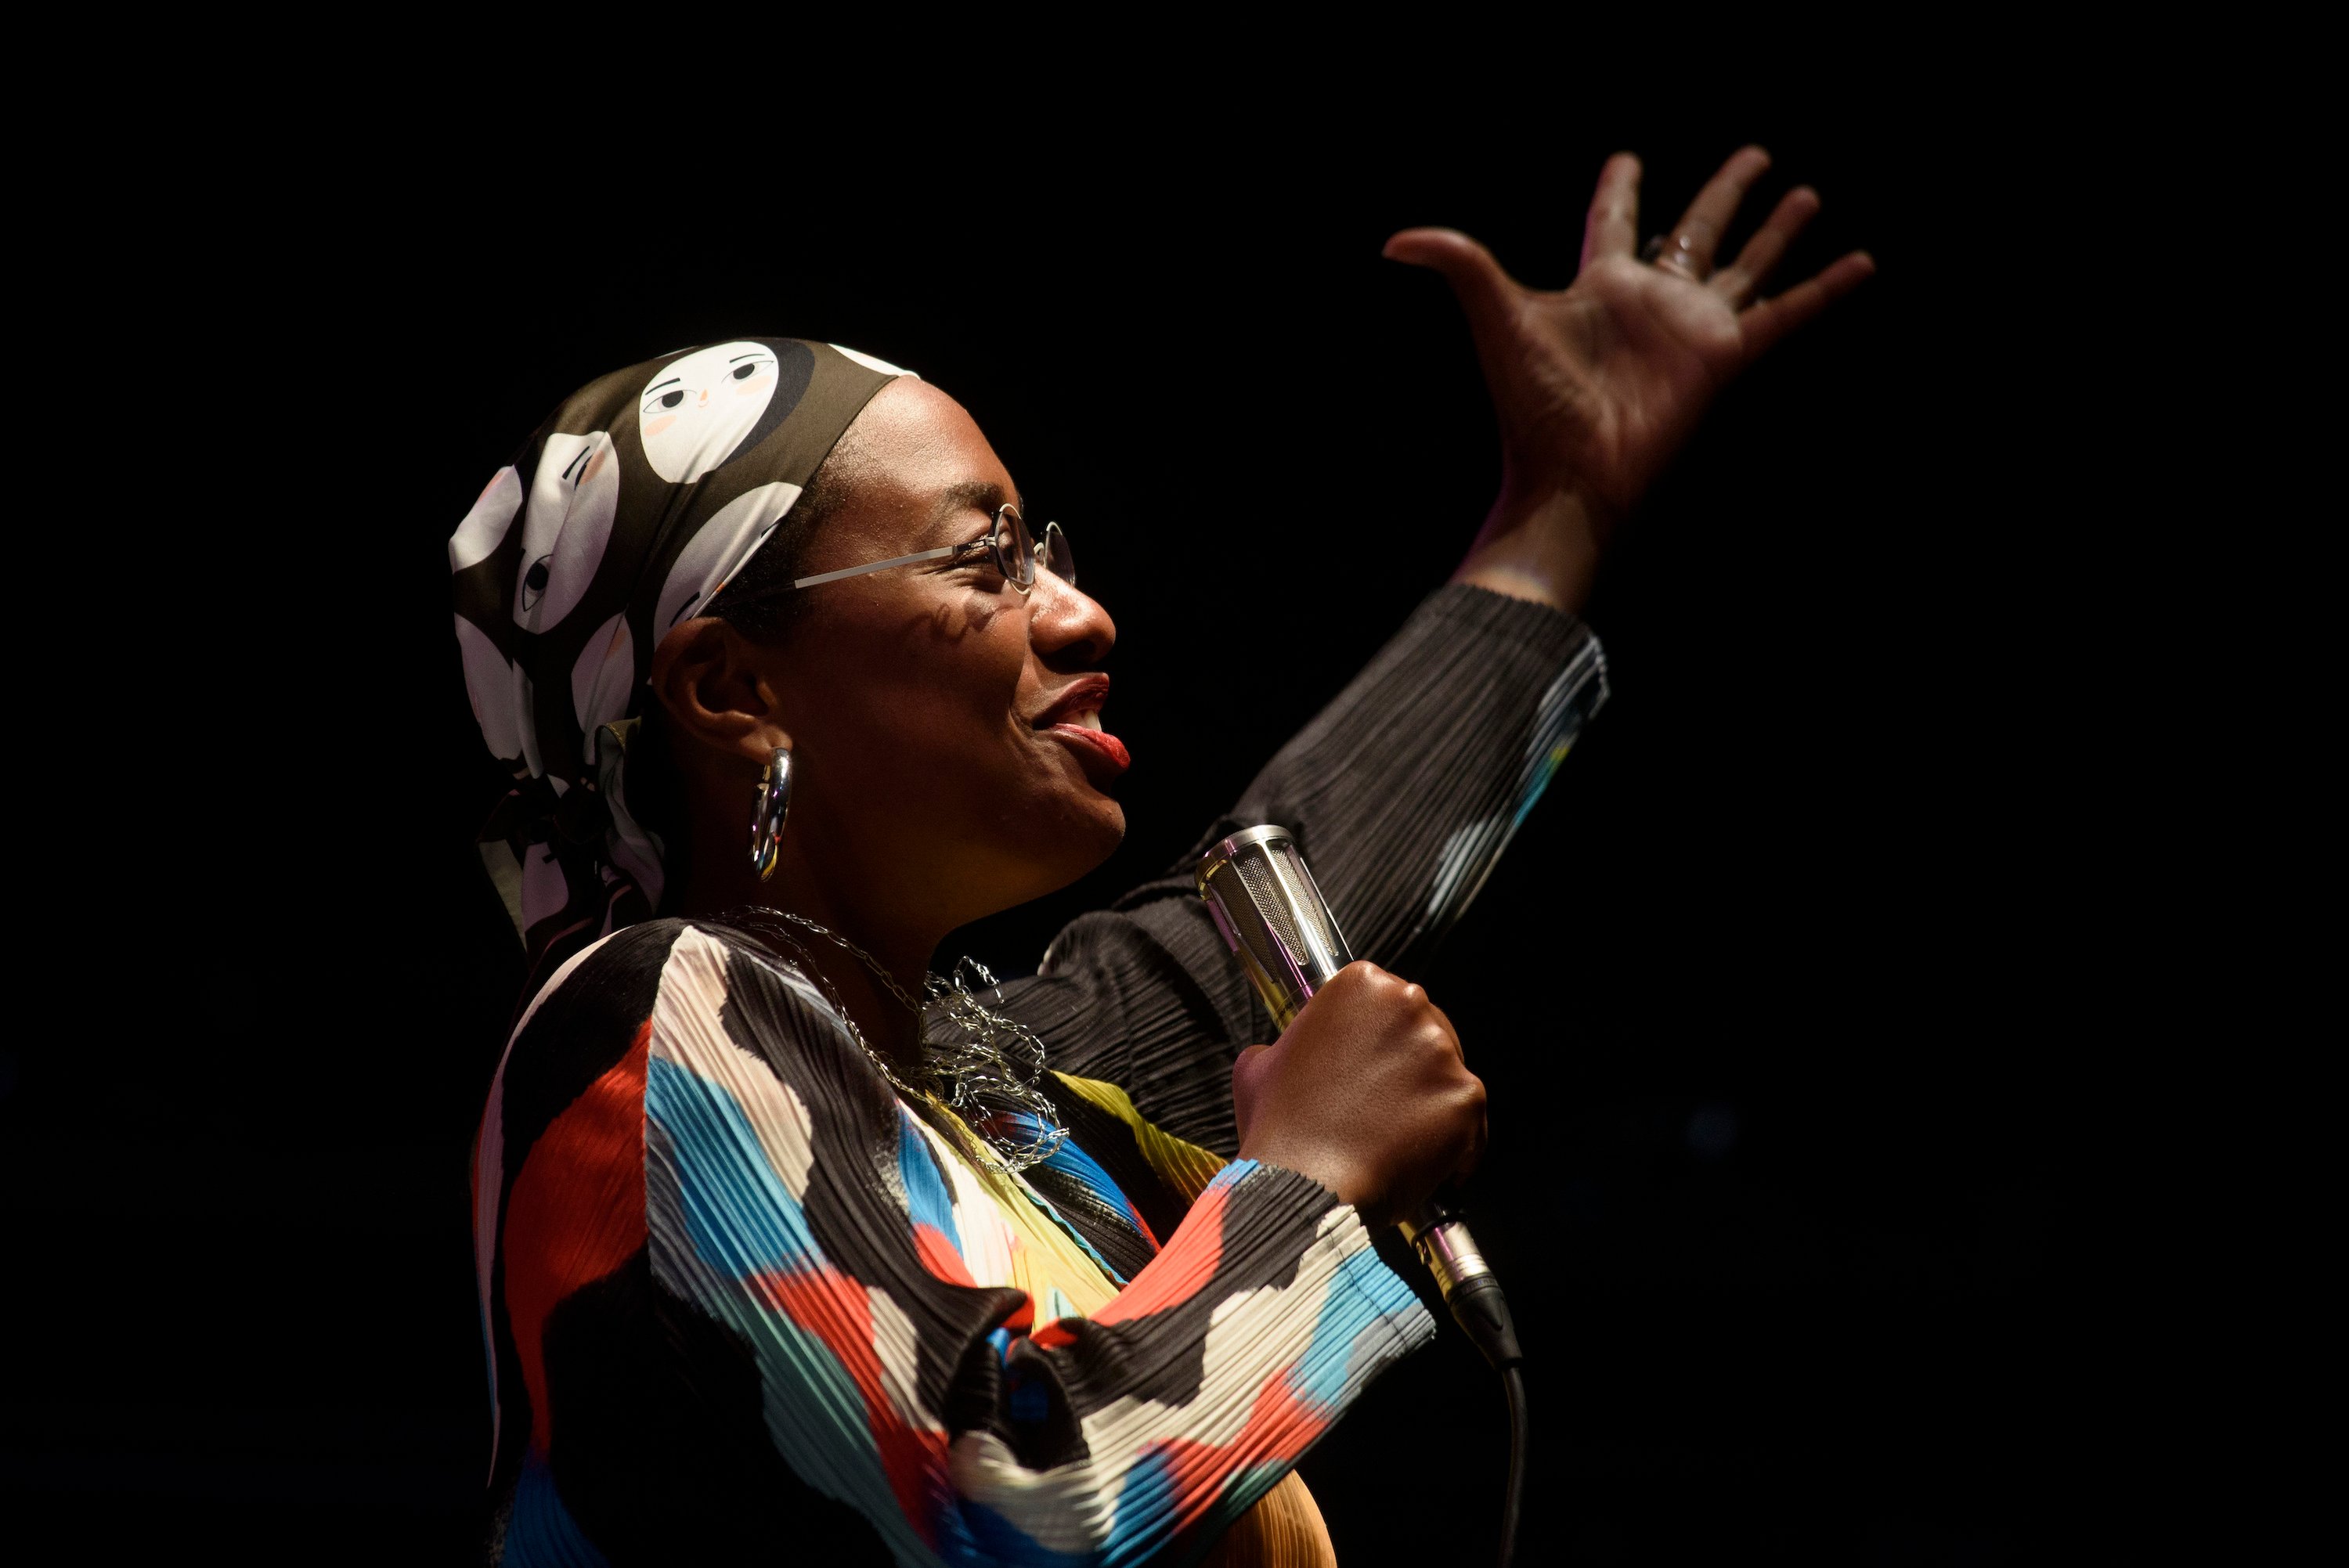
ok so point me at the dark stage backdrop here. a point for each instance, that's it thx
(1780, 1084)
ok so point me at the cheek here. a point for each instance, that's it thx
(931, 690)
(972, 699)
(989, 673)
(655, 426)
(754, 387)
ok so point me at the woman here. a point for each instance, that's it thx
(785, 1250)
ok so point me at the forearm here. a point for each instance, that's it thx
(1404, 791)
(1265, 1316)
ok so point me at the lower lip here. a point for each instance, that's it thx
(1100, 742)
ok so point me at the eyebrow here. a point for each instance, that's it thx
(971, 495)
(750, 356)
(658, 384)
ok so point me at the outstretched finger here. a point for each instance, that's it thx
(1738, 280)
(1613, 227)
(1487, 295)
(1766, 323)
(1697, 233)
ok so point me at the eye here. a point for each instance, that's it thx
(671, 399)
(742, 372)
(533, 582)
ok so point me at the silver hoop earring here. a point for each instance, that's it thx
(768, 810)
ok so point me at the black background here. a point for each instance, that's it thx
(1779, 995)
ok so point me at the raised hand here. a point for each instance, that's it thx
(1598, 385)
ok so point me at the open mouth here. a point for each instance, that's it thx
(1075, 719)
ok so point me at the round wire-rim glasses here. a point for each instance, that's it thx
(1016, 552)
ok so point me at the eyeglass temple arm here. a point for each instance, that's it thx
(798, 582)
(940, 554)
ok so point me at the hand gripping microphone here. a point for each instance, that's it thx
(1264, 902)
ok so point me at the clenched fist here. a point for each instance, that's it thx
(1366, 1093)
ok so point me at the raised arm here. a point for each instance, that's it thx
(1404, 791)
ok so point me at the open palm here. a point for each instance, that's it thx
(1598, 385)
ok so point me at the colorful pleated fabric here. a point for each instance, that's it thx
(927, 1343)
(741, 1302)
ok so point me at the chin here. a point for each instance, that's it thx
(1093, 838)
(1111, 834)
(1084, 840)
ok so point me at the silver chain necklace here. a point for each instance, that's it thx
(987, 1067)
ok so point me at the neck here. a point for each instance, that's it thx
(900, 945)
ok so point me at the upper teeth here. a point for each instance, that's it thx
(1089, 719)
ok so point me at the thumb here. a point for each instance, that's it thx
(1487, 294)
(1248, 1073)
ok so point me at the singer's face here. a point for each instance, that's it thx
(945, 726)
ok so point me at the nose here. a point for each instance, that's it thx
(1068, 629)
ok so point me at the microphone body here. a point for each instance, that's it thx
(1265, 902)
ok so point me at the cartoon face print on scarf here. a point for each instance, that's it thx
(622, 516)
(574, 498)
(698, 411)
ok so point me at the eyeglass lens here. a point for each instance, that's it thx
(1019, 554)
(1015, 547)
(1057, 556)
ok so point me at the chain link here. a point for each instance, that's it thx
(871, 963)
(995, 1094)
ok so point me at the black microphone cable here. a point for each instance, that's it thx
(1483, 1314)
(1513, 1385)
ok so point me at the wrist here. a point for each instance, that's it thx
(1328, 1167)
(1540, 542)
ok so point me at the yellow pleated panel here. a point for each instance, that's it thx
(1185, 1167)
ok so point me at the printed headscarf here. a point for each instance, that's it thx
(622, 517)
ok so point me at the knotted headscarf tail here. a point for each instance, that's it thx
(622, 517)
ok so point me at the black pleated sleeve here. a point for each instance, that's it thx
(1402, 793)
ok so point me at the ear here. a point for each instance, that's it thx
(710, 681)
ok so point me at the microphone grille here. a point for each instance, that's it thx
(1264, 890)
(1264, 903)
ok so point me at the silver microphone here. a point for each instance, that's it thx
(1276, 921)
